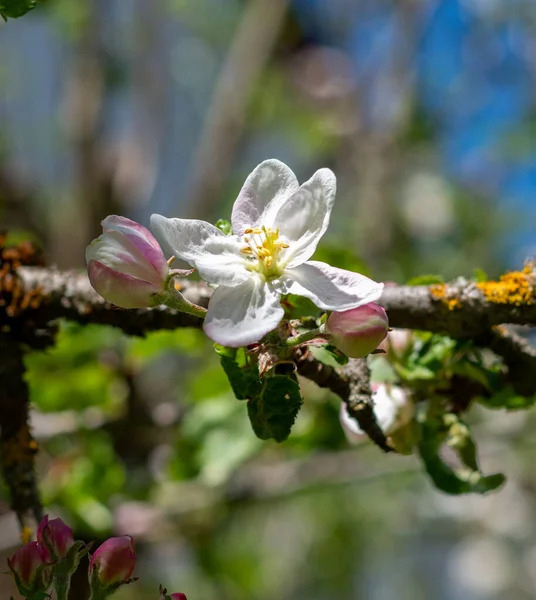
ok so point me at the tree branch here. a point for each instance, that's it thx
(519, 356)
(352, 385)
(462, 310)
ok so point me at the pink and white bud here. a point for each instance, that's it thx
(358, 331)
(56, 536)
(112, 564)
(392, 407)
(29, 569)
(126, 265)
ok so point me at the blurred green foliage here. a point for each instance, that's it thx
(16, 8)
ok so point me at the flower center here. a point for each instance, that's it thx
(264, 246)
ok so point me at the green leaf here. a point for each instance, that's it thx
(439, 430)
(506, 398)
(472, 370)
(16, 8)
(329, 355)
(480, 276)
(244, 379)
(224, 226)
(425, 280)
(337, 354)
(273, 412)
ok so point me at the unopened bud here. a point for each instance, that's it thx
(126, 265)
(56, 536)
(112, 565)
(358, 331)
(175, 596)
(30, 569)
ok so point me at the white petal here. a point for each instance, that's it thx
(221, 262)
(303, 219)
(183, 238)
(216, 256)
(269, 184)
(331, 288)
(242, 315)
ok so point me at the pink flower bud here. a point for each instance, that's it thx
(29, 569)
(392, 408)
(178, 596)
(125, 265)
(358, 331)
(113, 562)
(56, 536)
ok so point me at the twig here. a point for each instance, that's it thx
(249, 52)
(352, 385)
(519, 356)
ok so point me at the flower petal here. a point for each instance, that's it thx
(303, 219)
(331, 288)
(121, 289)
(118, 252)
(242, 315)
(265, 189)
(183, 238)
(142, 238)
(216, 256)
(222, 263)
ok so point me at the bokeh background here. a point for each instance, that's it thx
(426, 111)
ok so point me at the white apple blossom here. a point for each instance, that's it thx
(277, 225)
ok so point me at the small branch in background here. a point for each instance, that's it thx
(359, 403)
(519, 356)
(94, 195)
(352, 385)
(245, 61)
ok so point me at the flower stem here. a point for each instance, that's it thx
(174, 299)
(306, 337)
(61, 587)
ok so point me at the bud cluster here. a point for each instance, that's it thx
(49, 563)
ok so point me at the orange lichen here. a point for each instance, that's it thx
(18, 448)
(512, 288)
(26, 535)
(448, 297)
(13, 296)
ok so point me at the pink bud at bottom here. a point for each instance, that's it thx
(112, 564)
(359, 331)
(178, 596)
(29, 569)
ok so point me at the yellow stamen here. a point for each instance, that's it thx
(263, 243)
